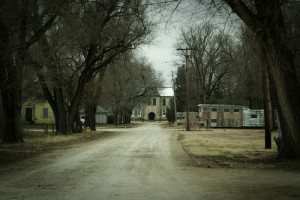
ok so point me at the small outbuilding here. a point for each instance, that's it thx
(101, 115)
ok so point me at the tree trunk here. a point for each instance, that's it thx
(90, 111)
(1, 116)
(93, 116)
(283, 78)
(116, 114)
(12, 76)
(127, 116)
(286, 85)
(268, 25)
(120, 117)
(11, 94)
(77, 128)
(12, 129)
(267, 103)
(63, 125)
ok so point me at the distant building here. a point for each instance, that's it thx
(156, 107)
(222, 115)
(36, 112)
(100, 116)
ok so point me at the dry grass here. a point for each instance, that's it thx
(36, 142)
(233, 148)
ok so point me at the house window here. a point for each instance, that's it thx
(154, 101)
(45, 112)
(164, 102)
(163, 112)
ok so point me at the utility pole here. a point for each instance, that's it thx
(187, 99)
(175, 106)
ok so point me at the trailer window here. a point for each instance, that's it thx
(214, 109)
(236, 110)
(214, 120)
(253, 115)
(226, 110)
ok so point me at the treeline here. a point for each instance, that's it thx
(62, 51)
(222, 71)
(221, 68)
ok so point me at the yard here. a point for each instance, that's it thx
(233, 148)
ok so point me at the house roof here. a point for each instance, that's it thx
(99, 110)
(166, 92)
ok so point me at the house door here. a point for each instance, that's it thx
(29, 116)
(151, 116)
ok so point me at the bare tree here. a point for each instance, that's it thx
(103, 31)
(128, 82)
(211, 60)
(254, 82)
(93, 95)
(249, 70)
(17, 37)
(265, 19)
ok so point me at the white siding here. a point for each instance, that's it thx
(253, 118)
(101, 118)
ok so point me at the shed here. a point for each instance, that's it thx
(101, 115)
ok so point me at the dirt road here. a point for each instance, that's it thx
(138, 163)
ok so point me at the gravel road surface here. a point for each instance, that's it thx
(146, 162)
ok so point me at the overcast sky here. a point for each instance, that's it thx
(161, 53)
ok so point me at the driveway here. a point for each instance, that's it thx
(146, 162)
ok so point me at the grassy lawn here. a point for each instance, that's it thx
(233, 148)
